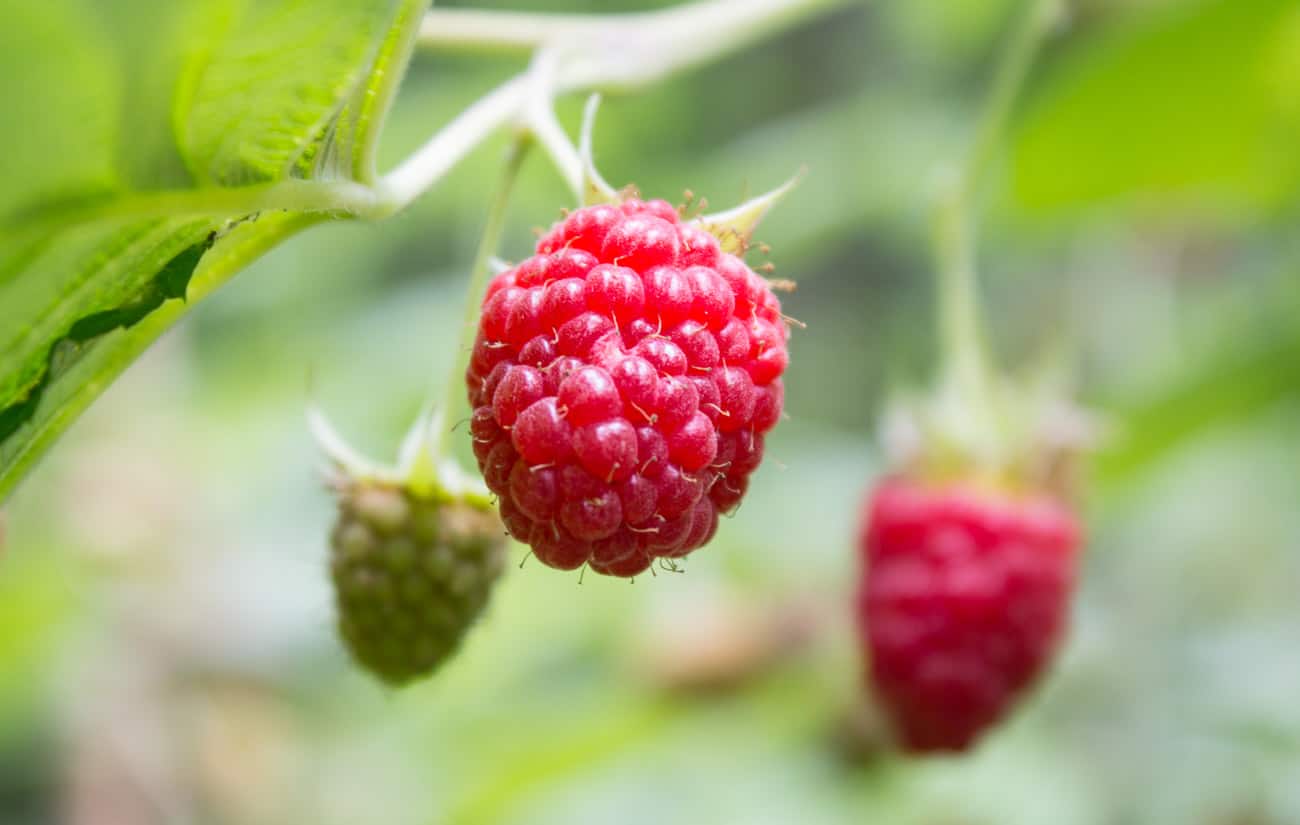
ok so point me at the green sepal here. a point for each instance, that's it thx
(735, 227)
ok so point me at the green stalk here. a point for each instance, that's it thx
(454, 407)
(966, 356)
(967, 361)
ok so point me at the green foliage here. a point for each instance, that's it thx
(289, 121)
(1242, 359)
(146, 142)
(1199, 102)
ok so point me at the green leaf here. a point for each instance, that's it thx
(290, 122)
(156, 149)
(1197, 105)
(1242, 358)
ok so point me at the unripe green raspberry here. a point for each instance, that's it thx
(411, 574)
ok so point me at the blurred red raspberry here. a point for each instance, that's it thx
(965, 600)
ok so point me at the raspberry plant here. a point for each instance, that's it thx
(255, 122)
(270, 123)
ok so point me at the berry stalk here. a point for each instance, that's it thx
(454, 407)
(968, 376)
(1040, 18)
(636, 45)
(612, 52)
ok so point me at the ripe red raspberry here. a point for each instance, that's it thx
(965, 600)
(622, 383)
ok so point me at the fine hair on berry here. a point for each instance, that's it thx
(622, 382)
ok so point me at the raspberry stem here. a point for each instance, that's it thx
(612, 52)
(1040, 19)
(968, 370)
(542, 123)
(454, 407)
(637, 46)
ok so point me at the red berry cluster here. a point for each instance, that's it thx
(965, 600)
(622, 382)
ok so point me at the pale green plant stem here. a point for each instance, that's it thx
(964, 346)
(708, 28)
(423, 168)
(575, 53)
(540, 120)
(455, 407)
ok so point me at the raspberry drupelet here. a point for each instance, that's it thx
(622, 382)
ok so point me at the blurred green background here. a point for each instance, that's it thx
(166, 644)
